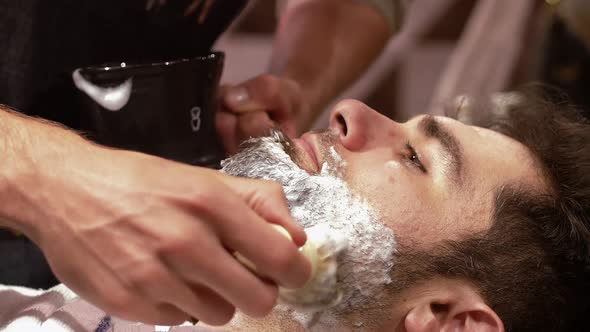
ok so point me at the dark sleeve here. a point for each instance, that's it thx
(22, 263)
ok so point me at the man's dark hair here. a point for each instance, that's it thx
(531, 266)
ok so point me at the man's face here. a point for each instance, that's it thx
(430, 179)
(427, 180)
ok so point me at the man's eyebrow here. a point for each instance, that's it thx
(430, 127)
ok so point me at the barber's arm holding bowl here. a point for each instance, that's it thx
(320, 48)
(151, 240)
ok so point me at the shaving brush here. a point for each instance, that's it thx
(321, 291)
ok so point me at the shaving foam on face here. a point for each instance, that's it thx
(392, 165)
(324, 203)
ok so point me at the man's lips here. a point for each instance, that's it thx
(305, 145)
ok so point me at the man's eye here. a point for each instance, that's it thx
(413, 158)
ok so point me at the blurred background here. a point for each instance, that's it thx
(446, 47)
(248, 46)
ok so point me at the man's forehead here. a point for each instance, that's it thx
(517, 154)
(492, 159)
(491, 134)
(519, 151)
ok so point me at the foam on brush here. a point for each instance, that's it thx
(321, 291)
(323, 249)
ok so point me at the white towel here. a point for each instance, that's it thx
(60, 310)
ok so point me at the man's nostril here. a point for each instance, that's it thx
(342, 123)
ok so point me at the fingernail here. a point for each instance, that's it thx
(237, 96)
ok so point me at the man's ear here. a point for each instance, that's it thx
(456, 306)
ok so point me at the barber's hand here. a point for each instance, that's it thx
(250, 109)
(151, 240)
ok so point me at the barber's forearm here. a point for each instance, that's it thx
(31, 150)
(325, 45)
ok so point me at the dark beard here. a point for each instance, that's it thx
(325, 200)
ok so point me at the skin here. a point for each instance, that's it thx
(432, 204)
(132, 224)
(422, 207)
(96, 213)
(141, 237)
(92, 248)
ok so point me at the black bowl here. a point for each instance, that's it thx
(169, 112)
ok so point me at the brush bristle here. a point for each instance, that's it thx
(323, 247)
(321, 292)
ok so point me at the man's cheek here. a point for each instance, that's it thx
(364, 179)
(404, 208)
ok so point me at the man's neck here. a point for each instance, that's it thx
(277, 321)
(281, 320)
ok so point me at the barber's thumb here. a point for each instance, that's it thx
(238, 99)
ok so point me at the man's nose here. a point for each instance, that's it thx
(358, 126)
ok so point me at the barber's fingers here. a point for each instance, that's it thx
(233, 129)
(224, 275)
(237, 222)
(268, 200)
(217, 306)
(132, 305)
(278, 96)
(254, 124)
(276, 257)
(196, 301)
(108, 290)
(141, 310)
(156, 313)
(226, 126)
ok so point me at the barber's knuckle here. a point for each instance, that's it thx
(274, 189)
(222, 317)
(173, 319)
(181, 239)
(264, 302)
(144, 277)
(247, 124)
(176, 243)
(266, 79)
(198, 196)
(282, 257)
(292, 86)
(119, 302)
(270, 84)
(204, 199)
